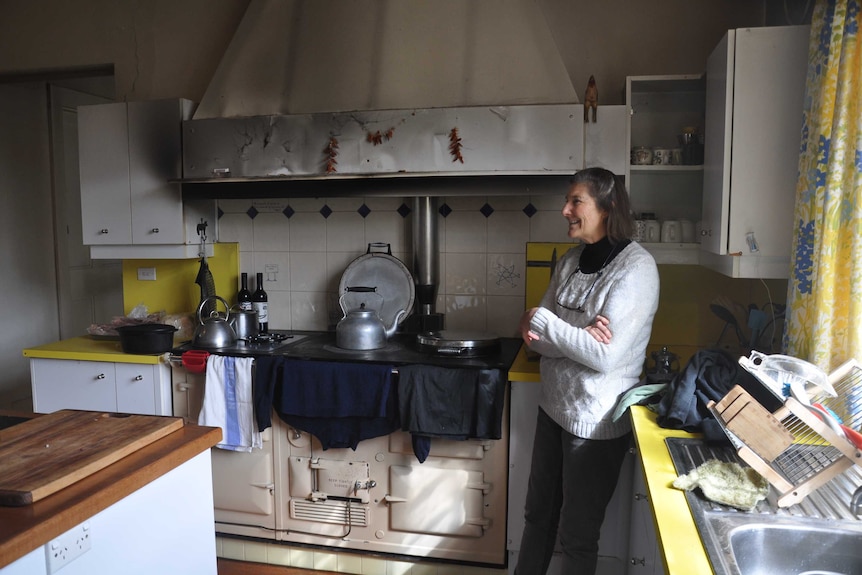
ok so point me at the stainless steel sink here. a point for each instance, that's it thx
(818, 536)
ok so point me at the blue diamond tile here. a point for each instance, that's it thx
(288, 212)
(445, 210)
(486, 210)
(252, 212)
(325, 211)
(404, 210)
(364, 210)
(530, 210)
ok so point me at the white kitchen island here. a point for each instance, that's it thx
(149, 512)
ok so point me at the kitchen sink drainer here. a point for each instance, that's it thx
(805, 442)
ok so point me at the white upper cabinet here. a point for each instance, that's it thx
(755, 83)
(128, 155)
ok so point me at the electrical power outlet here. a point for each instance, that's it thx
(147, 274)
(67, 547)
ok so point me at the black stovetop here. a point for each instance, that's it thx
(401, 349)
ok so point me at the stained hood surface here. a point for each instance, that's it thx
(307, 56)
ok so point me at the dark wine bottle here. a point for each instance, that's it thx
(243, 297)
(259, 301)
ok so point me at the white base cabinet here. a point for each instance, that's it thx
(614, 541)
(645, 557)
(164, 527)
(143, 389)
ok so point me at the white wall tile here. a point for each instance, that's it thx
(277, 554)
(373, 566)
(345, 231)
(237, 227)
(302, 558)
(465, 312)
(387, 227)
(255, 551)
(309, 311)
(271, 232)
(506, 274)
(307, 232)
(509, 203)
(325, 561)
(345, 204)
(279, 309)
(549, 227)
(508, 232)
(466, 232)
(466, 274)
(275, 267)
(504, 314)
(308, 272)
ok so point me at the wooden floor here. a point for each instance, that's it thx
(231, 567)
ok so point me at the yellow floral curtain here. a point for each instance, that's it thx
(824, 312)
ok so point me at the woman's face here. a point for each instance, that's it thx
(586, 221)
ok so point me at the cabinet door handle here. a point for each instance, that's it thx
(155, 230)
(100, 376)
(639, 496)
(139, 377)
(103, 231)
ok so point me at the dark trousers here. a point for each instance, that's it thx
(571, 482)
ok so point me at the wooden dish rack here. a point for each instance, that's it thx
(792, 447)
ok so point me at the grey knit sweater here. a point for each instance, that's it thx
(583, 379)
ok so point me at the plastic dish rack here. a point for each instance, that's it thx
(796, 448)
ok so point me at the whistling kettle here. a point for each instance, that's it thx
(362, 328)
(214, 332)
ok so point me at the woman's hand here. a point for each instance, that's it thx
(599, 329)
(527, 334)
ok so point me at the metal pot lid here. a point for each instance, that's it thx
(457, 339)
(386, 276)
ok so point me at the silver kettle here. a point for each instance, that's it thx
(362, 328)
(214, 332)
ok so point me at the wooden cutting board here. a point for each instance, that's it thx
(41, 456)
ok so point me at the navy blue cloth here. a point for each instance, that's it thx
(450, 403)
(339, 403)
(708, 376)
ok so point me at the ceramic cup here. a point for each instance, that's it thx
(662, 157)
(641, 156)
(640, 231)
(670, 231)
(676, 156)
(687, 231)
(652, 231)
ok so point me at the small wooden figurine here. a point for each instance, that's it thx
(591, 100)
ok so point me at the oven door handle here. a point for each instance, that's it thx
(393, 499)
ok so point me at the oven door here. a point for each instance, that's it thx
(243, 483)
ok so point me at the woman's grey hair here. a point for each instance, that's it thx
(609, 192)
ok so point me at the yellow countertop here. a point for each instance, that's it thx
(86, 348)
(682, 550)
(524, 368)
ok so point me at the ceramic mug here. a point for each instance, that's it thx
(640, 231)
(652, 231)
(671, 232)
(641, 156)
(662, 157)
(676, 156)
(687, 231)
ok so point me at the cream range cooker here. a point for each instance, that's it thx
(377, 498)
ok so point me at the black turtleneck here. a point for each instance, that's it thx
(596, 256)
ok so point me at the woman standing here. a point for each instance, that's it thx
(592, 329)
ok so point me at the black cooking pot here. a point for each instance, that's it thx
(146, 338)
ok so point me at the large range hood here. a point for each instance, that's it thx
(372, 90)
